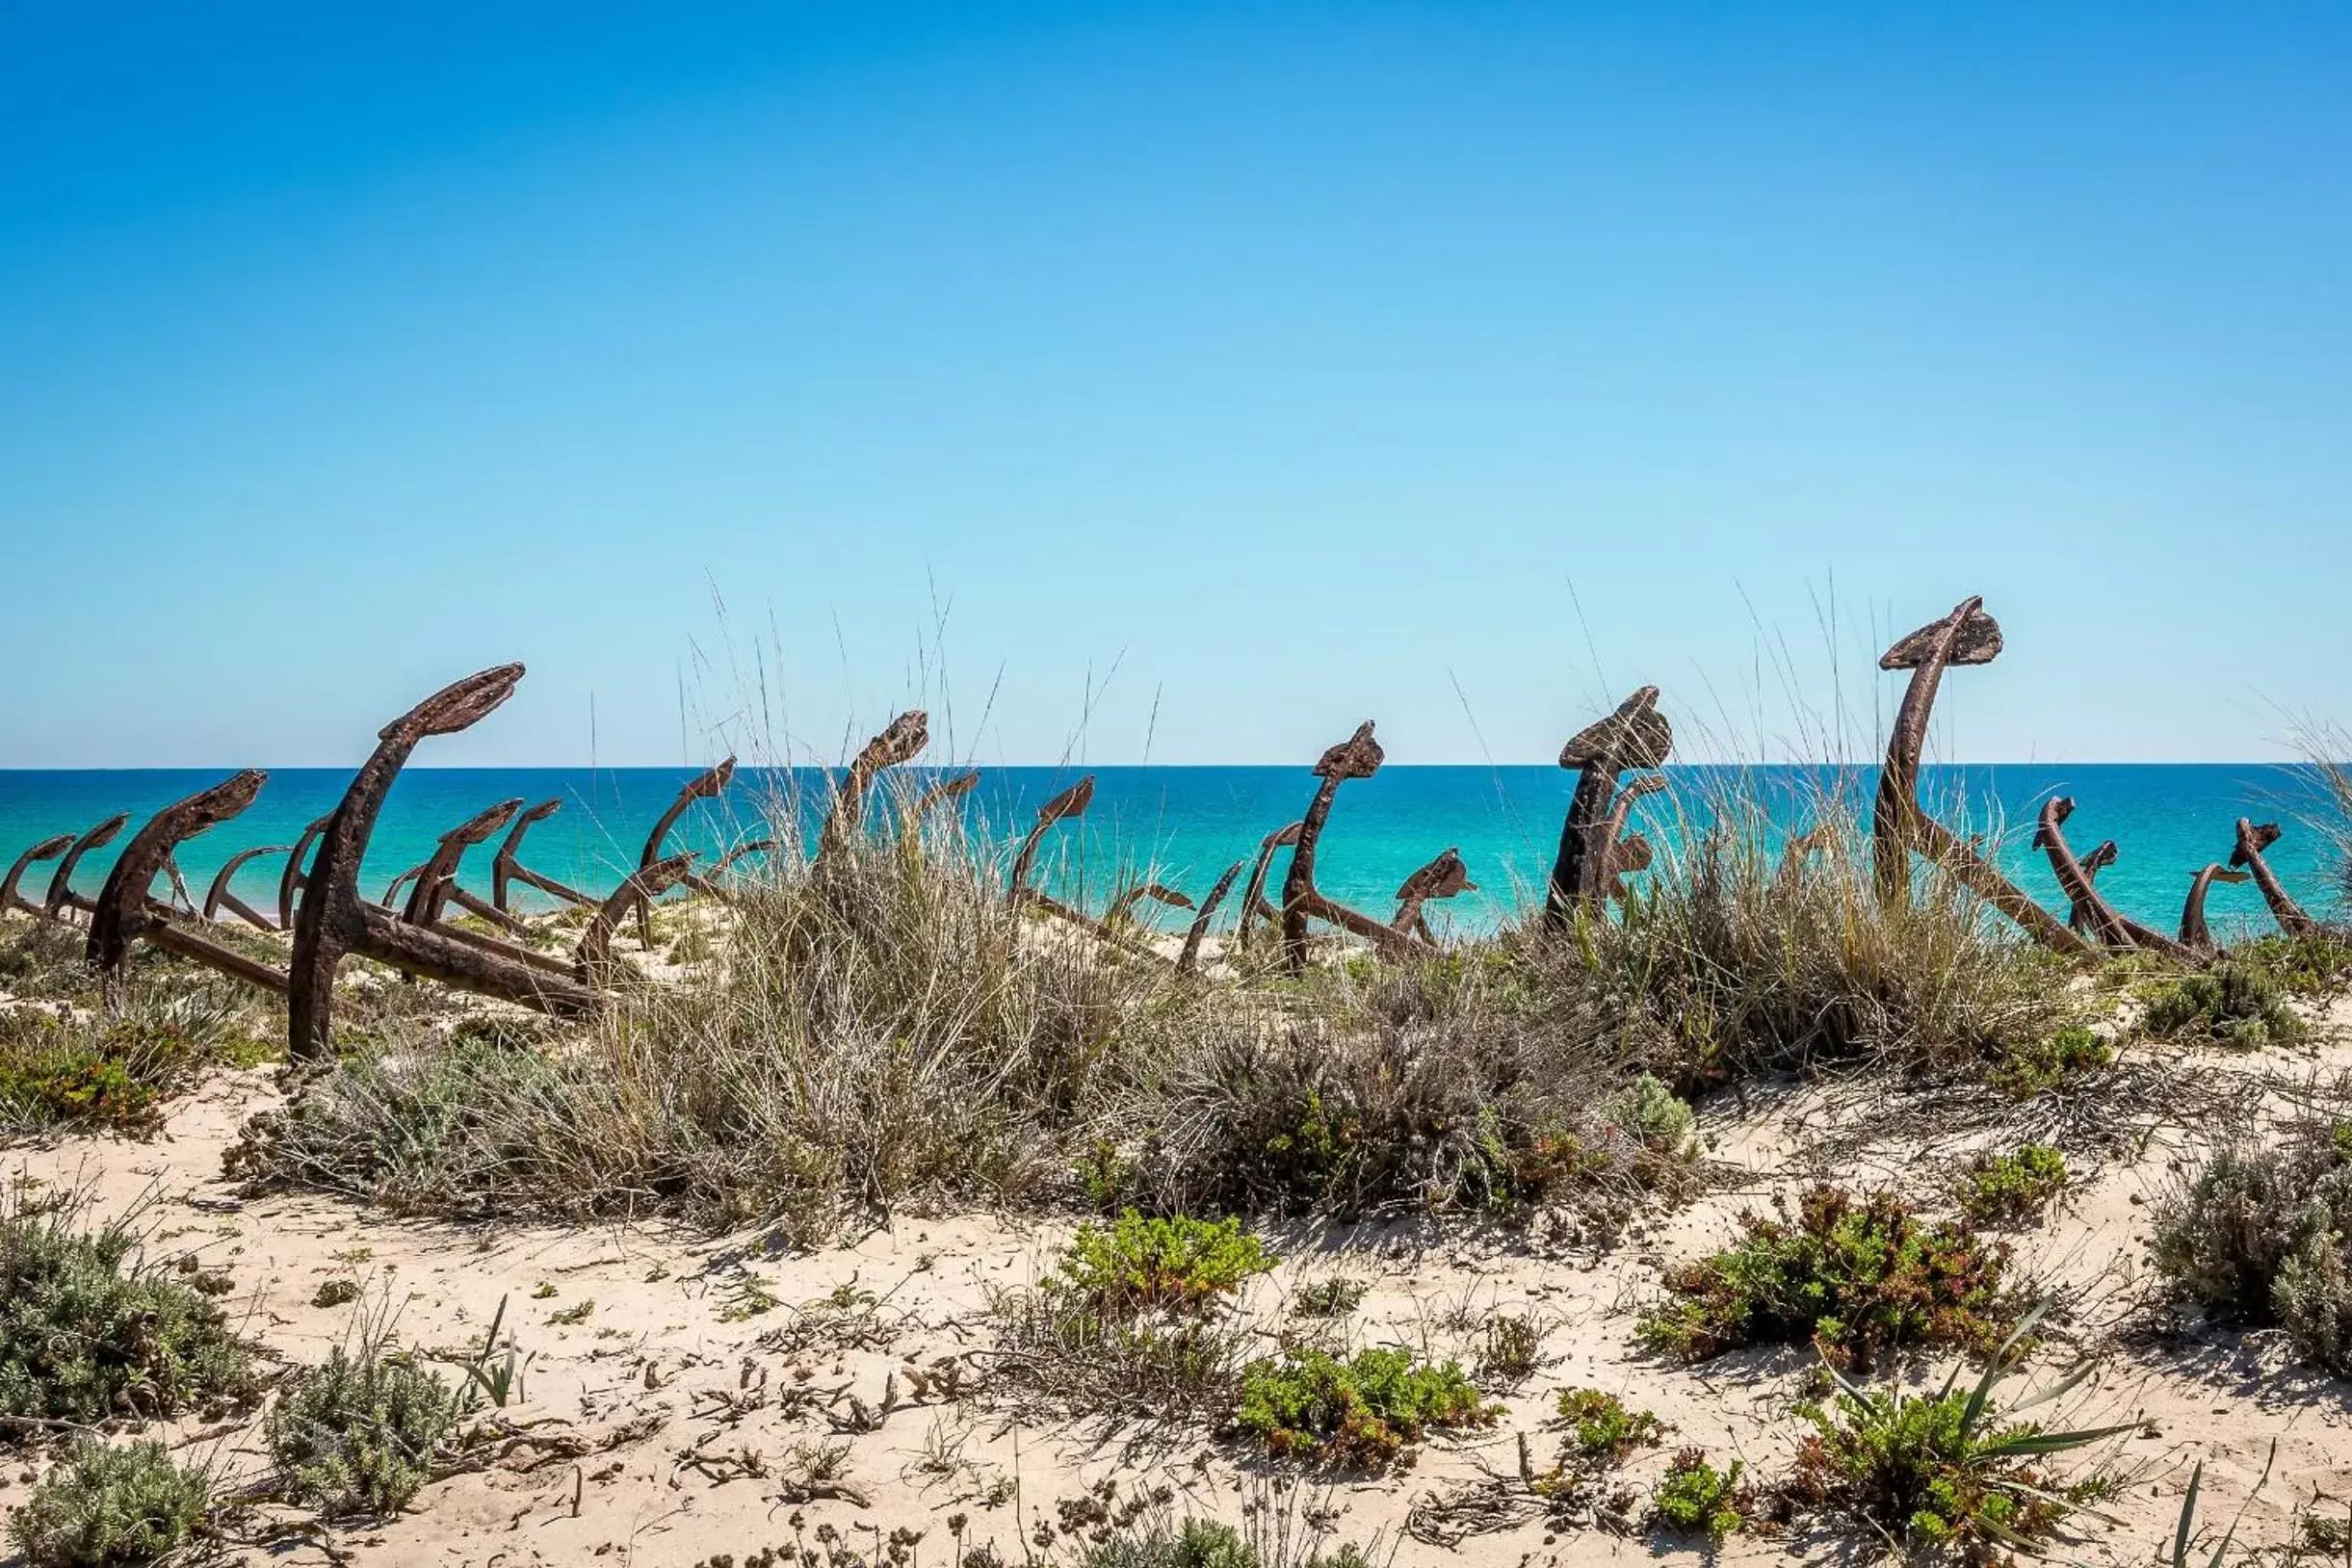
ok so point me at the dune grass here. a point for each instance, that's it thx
(886, 1029)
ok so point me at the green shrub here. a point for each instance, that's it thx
(2011, 1186)
(1357, 1414)
(1136, 1266)
(358, 1434)
(1856, 1276)
(2257, 1236)
(90, 1331)
(1333, 1297)
(1653, 1115)
(1204, 1543)
(2047, 1062)
(2317, 964)
(110, 1505)
(1728, 964)
(1943, 1471)
(1697, 1499)
(2234, 1001)
(1603, 1428)
(57, 1072)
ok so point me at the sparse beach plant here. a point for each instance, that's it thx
(111, 1508)
(2236, 1001)
(1335, 1296)
(2045, 1062)
(1603, 1428)
(1135, 1265)
(359, 1433)
(114, 1069)
(1696, 1498)
(1654, 1115)
(2256, 1235)
(1358, 1414)
(1855, 1276)
(92, 1331)
(2018, 1185)
(1945, 1472)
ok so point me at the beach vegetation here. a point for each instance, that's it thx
(2256, 1236)
(2011, 1186)
(1854, 1276)
(1603, 1428)
(113, 1070)
(1694, 1498)
(1358, 1414)
(2236, 1001)
(1135, 1265)
(359, 1433)
(1951, 1471)
(2040, 1063)
(92, 1331)
(111, 1506)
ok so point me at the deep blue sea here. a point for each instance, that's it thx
(1184, 824)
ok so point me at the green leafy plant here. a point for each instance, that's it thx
(360, 1432)
(90, 1331)
(107, 1506)
(1604, 1429)
(1136, 1266)
(2258, 1235)
(2313, 964)
(1856, 1276)
(1334, 1297)
(2011, 1186)
(2234, 1001)
(1950, 1470)
(1206, 1543)
(490, 1377)
(1697, 1499)
(2047, 1061)
(1652, 1114)
(1358, 1414)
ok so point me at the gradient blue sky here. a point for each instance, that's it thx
(1215, 375)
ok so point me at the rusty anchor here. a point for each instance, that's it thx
(222, 897)
(294, 878)
(2078, 916)
(2194, 930)
(333, 918)
(593, 961)
(508, 867)
(124, 911)
(899, 742)
(1590, 862)
(1254, 907)
(1188, 961)
(62, 896)
(48, 849)
(2105, 926)
(436, 879)
(1443, 877)
(1899, 827)
(2253, 839)
(1359, 756)
(1121, 909)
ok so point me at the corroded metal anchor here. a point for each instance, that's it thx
(333, 918)
(2105, 926)
(1359, 756)
(1899, 827)
(1595, 855)
(2253, 838)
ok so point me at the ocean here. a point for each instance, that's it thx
(1184, 824)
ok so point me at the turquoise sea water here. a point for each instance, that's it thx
(1187, 823)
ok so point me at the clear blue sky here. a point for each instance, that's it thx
(1284, 364)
